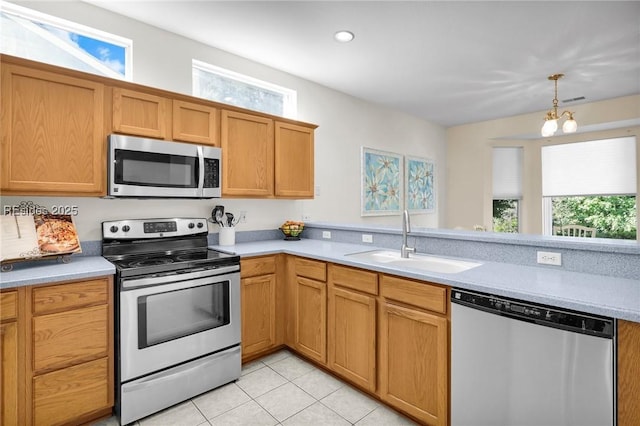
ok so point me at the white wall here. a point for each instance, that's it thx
(469, 172)
(163, 59)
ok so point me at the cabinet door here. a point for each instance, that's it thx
(311, 318)
(53, 140)
(351, 330)
(9, 375)
(141, 114)
(414, 362)
(294, 161)
(628, 373)
(66, 395)
(195, 123)
(258, 295)
(247, 159)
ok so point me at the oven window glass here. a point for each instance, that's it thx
(154, 169)
(174, 314)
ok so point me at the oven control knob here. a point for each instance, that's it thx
(200, 224)
(113, 229)
(126, 228)
(191, 225)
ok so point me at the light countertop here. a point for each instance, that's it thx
(52, 271)
(595, 294)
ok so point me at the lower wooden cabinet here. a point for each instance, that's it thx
(258, 290)
(414, 348)
(310, 309)
(9, 378)
(628, 373)
(57, 358)
(351, 325)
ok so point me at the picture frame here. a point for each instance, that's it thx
(420, 182)
(381, 182)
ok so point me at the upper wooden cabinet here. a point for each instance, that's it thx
(140, 113)
(53, 139)
(294, 161)
(195, 123)
(247, 154)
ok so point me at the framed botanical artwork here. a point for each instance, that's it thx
(420, 183)
(381, 190)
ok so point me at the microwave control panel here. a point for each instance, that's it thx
(211, 173)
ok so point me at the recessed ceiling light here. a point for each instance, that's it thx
(343, 36)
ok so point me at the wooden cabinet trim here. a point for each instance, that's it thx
(416, 293)
(628, 373)
(250, 267)
(8, 306)
(55, 298)
(314, 269)
(356, 279)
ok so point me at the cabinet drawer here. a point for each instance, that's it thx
(67, 338)
(8, 305)
(69, 296)
(422, 295)
(257, 266)
(313, 269)
(62, 396)
(356, 279)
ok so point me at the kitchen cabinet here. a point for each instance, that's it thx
(258, 301)
(310, 300)
(196, 123)
(294, 161)
(70, 352)
(628, 373)
(247, 162)
(11, 366)
(414, 348)
(52, 130)
(140, 113)
(352, 324)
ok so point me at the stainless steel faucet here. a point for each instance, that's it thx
(406, 229)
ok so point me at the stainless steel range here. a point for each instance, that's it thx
(177, 313)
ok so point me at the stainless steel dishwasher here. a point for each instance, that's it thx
(515, 363)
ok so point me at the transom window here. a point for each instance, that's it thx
(221, 85)
(40, 37)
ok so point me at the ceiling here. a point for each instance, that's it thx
(449, 62)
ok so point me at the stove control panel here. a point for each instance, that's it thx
(153, 228)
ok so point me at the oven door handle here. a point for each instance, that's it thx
(154, 379)
(145, 282)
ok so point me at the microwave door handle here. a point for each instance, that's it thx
(201, 171)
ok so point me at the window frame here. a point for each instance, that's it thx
(35, 16)
(290, 96)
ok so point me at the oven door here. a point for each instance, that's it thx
(183, 317)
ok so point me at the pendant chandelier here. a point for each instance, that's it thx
(551, 119)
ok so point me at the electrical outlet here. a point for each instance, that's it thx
(367, 238)
(317, 191)
(549, 258)
(326, 234)
(306, 217)
(243, 217)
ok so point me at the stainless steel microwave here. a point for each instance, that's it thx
(151, 168)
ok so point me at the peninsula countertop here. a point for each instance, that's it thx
(549, 285)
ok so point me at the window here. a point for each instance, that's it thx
(507, 188)
(591, 184)
(45, 38)
(220, 85)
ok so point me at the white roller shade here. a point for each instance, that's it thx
(507, 172)
(602, 167)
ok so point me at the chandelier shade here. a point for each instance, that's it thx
(550, 125)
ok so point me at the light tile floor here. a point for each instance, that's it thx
(279, 389)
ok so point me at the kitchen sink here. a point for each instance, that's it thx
(423, 262)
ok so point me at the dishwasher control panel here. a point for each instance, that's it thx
(540, 314)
